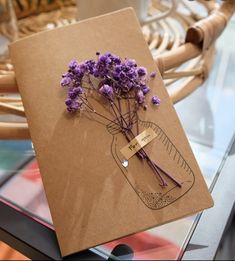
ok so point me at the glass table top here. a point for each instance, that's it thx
(208, 119)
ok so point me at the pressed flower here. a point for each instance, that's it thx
(156, 100)
(117, 80)
(145, 89)
(68, 102)
(131, 63)
(117, 77)
(152, 74)
(65, 81)
(142, 71)
(72, 94)
(74, 106)
(73, 64)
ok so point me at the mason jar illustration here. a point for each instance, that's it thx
(141, 175)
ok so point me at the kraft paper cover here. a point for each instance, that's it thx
(94, 199)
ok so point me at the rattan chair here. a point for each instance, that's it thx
(182, 45)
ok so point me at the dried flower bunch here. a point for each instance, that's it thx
(116, 80)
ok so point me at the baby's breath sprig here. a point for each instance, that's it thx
(114, 79)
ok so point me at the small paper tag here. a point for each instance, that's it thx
(138, 143)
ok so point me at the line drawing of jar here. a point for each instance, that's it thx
(139, 174)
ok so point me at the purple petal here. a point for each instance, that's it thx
(65, 81)
(153, 74)
(140, 97)
(145, 89)
(73, 64)
(142, 71)
(156, 100)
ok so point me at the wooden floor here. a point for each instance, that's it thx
(7, 253)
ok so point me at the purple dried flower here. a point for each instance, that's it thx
(140, 97)
(117, 78)
(141, 71)
(131, 74)
(107, 91)
(130, 85)
(118, 69)
(122, 75)
(120, 82)
(72, 94)
(96, 73)
(68, 102)
(102, 66)
(156, 100)
(77, 71)
(152, 74)
(82, 67)
(145, 89)
(73, 106)
(73, 64)
(65, 81)
(108, 54)
(90, 65)
(78, 90)
(103, 59)
(131, 63)
(117, 60)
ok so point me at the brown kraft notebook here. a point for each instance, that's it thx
(94, 195)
